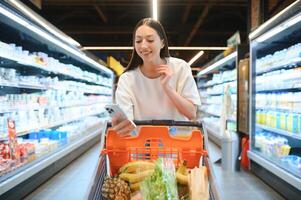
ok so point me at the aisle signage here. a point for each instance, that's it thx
(115, 65)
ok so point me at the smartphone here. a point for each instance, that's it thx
(114, 109)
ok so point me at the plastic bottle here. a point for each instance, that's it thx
(295, 123)
(273, 119)
(289, 122)
(283, 120)
(278, 124)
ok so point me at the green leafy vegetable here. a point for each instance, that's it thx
(161, 185)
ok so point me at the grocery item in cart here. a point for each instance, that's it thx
(115, 188)
(161, 184)
(152, 144)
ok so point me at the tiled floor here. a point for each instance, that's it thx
(238, 185)
(73, 181)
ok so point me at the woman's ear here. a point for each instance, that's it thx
(162, 44)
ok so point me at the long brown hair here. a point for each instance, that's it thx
(157, 26)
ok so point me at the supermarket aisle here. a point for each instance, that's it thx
(72, 182)
(241, 184)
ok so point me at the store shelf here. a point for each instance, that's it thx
(42, 87)
(285, 88)
(217, 115)
(285, 64)
(219, 64)
(57, 123)
(284, 109)
(38, 106)
(275, 80)
(26, 171)
(280, 132)
(39, 66)
(270, 166)
(11, 15)
(45, 68)
(22, 85)
(47, 125)
(211, 85)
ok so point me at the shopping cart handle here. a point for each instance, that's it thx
(165, 123)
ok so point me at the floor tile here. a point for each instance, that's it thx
(240, 184)
(72, 182)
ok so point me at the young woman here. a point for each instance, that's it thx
(154, 85)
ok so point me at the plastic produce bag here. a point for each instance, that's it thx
(162, 184)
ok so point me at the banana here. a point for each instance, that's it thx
(136, 166)
(182, 179)
(182, 174)
(134, 178)
(182, 168)
(135, 186)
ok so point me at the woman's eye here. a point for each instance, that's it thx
(150, 40)
(138, 41)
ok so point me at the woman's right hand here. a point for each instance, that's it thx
(123, 127)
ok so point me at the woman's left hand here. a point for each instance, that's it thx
(165, 75)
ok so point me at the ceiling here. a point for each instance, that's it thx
(111, 23)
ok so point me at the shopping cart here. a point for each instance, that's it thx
(152, 141)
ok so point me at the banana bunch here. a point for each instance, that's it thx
(135, 172)
(182, 174)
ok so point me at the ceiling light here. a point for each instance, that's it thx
(270, 21)
(278, 29)
(155, 9)
(197, 56)
(44, 24)
(170, 48)
(52, 39)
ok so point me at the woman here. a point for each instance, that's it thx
(154, 85)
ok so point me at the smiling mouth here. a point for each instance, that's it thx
(145, 52)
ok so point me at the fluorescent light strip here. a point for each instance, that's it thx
(155, 9)
(170, 48)
(217, 64)
(197, 56)
(52, 39)
(264, 25)
(279, 28)
(28, 12)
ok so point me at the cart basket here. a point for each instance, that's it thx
(153, 141)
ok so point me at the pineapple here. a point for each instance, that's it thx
(115, 189)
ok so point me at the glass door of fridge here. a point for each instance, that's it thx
(276, 96)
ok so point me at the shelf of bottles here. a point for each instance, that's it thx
(276, 63)
(52, 91)
(211, 84)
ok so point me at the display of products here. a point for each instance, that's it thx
(37, 144)
(277, 106)
(212, 91)
(276, 100)
(53, 92)
(43, 61)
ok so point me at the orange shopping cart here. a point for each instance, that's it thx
(152, 141)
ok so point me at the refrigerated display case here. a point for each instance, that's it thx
(212, 82)
(54, 92)
(275, 117)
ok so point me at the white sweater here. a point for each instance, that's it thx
(143, 98)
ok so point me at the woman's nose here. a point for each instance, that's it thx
(143, 44)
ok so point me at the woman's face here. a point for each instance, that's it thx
(148, 43)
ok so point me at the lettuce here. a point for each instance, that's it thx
(161, 185)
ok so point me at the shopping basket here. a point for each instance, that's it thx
(152, 141)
